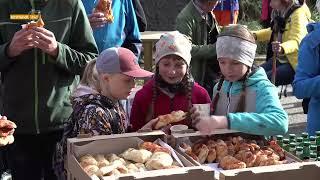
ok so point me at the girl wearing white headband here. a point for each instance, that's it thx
(244, 99)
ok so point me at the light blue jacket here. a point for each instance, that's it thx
(123, 32)
(263, 113)
(307, 79)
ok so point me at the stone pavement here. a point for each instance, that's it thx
(297, 120)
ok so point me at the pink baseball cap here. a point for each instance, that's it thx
(120, 60)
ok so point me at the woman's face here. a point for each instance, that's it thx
(232, 70)
(172, 69)
(117, 86)
(276, 4)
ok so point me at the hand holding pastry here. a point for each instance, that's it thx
(97, 20)
(173, 117)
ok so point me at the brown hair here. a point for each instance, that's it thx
(242, 101)
(187, 83)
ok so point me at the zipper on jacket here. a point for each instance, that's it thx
(36, 93)
(229, 97)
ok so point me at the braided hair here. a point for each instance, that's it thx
(242, 101)
(185, 87)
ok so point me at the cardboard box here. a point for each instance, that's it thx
(252, 172)
(117, 144)
(295, 171)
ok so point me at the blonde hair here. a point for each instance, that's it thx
(90, 76)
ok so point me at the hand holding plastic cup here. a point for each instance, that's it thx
(203, 109)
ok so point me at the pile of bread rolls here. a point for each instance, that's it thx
(235, 152)
(149, 156)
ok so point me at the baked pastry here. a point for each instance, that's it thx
(152, 147)
(222, 149)
(139, 156)
(88, 160)
(101, 160)
(159, 160)
(113, 157)
(141, 167)
(6, 140)
(91, 169)
(212, 155)
(229, 162)
(202, 151)
(104, 6)
(132, 168)
(247, 157)
(38, 23)
(273, 144)
(173, 117)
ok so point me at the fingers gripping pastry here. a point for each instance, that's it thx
(139, 156)
(173, 117)
(104, 6)
(229, 162)
(88, 160)
(159, 160)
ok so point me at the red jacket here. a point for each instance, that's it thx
(142, 103)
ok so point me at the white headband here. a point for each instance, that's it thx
(237, 49)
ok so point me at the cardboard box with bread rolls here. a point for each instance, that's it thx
(253, 158)
(129, 156)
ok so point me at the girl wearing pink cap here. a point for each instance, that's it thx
(96, 107)
(172, 88)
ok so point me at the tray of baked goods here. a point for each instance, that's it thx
(235, 155)
(128, 156)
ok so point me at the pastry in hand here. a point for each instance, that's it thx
(6, 140)
(38, 23)
(229, 162)
(173, 117)
(139, 156)
(104, 6)
(159, 160)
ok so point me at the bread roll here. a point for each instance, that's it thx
(173, 117)
(88, 160)
(159, 160)
(91, 169)
(139, 156)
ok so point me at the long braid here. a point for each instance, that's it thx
(217, 96)
(151, 114)
(189, 93)
(242, 101)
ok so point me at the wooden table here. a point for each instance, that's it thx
(148, 39)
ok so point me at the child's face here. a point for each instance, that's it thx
(118, 86)
(172, 69)
(232, 70)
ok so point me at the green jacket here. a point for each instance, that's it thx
(36, 87)
(190, 23)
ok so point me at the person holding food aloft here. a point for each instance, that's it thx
(172, 88)
(244, 99)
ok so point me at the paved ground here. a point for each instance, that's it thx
(297, 120)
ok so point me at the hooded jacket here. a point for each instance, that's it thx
(263, 113)
(163, 104)
(306, 83)
(35, 86)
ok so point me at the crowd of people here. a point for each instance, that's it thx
(75, 72)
